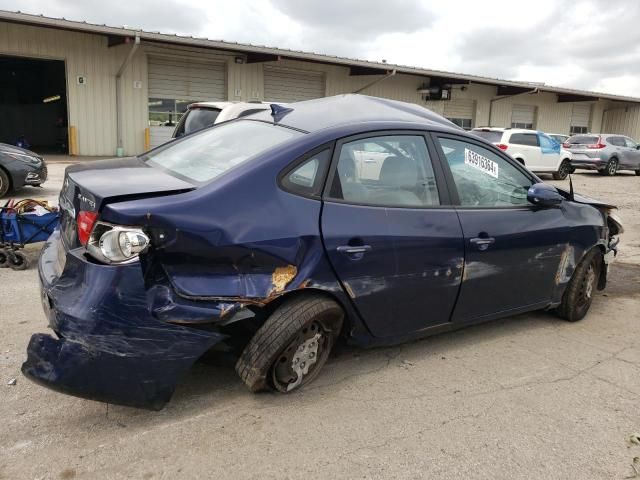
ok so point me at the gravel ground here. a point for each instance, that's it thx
(525, 397)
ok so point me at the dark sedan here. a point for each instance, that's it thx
(350, 217)
(19, 168)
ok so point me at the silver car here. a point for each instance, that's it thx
(604, 152)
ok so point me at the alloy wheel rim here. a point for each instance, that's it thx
(300, 359)
(612, 168)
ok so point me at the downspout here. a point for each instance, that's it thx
(535, 90)
(123, 67)
(377, 80)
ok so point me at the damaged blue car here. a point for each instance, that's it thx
(278, 234)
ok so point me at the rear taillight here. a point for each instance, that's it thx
(114, 244)
(502, 146)
(566, 145)
(86, 221)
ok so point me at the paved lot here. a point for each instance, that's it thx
(525, 397)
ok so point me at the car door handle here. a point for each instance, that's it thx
(482, 243)
(352, 250)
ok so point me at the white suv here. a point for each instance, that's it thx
(535, 150)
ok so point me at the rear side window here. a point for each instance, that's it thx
(307, 177)
(583, 140)
(617, 141)
(393, 171)
(488, 135)
(529, 139)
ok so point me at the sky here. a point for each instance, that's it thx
(585, 44)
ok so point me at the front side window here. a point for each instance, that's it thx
(392, 171)
(483, 178)
(629, 143)
(206, 155)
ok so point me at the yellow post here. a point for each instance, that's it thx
(147, 139)
(73, 140)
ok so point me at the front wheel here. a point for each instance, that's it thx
(292, 346)
(579, 293)
(563, 170)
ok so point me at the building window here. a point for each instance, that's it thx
(574, 129)
(166, 111)
(462, 122)
(528, 126)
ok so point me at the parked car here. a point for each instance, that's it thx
(205, 114)
(535, 150)
(265, 225)
(607, 153)
(20, 168)
(559, 137)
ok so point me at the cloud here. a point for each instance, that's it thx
(358, 20)
(173, 16)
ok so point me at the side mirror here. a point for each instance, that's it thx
(544, 195)
(638, 147)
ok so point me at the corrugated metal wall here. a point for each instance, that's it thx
(623, 120)
(92, 107)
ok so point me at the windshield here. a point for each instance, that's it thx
(208, 154)
(196, 119)
(489, 135)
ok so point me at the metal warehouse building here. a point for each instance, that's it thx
(88, 89)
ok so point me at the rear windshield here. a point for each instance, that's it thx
(196, 119)
(489, 135)
(582, 140)
(204, 156)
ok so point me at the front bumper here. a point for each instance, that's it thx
(108, 345)
(36, 177)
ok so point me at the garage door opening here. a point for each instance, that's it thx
(33, 101)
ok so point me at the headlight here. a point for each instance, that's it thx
(26, 158)
(116, 244)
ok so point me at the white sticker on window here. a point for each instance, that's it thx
(481, 163)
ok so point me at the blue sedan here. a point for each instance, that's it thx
(279, 234)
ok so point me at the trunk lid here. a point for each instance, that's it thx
(90, 186)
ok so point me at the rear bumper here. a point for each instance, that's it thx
(108, 346)
(594, 164)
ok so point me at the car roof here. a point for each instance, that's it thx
(348, 109)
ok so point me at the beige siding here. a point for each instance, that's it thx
(623, 120)
(91, 107)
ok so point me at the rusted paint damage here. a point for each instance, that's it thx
(281, 278)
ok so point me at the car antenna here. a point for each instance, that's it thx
(278, 111)
(571, 189)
